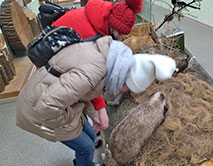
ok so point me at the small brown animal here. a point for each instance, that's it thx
(129, 135)
(137, 43)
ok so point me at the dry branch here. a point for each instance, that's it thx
(176, 10)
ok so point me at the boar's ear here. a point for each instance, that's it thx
(162, 97)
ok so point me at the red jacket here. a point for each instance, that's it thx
(88, 22)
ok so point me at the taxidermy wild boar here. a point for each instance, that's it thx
(129, 135)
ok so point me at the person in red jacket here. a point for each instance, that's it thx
(105, 18)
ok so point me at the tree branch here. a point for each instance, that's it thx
(168, 17)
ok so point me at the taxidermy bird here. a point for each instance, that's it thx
(168, 17)
(178, 3)
(182, 65)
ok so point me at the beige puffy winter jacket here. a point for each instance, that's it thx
(53, 107)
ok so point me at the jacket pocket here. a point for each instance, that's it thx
(73, 113)
(70, 114)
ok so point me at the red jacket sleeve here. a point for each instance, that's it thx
(98, 103)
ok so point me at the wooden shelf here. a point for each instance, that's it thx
(24, 68)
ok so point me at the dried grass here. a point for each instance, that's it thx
(185, 138)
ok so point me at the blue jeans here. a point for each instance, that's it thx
(83, 145)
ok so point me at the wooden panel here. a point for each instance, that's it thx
(16, 28)
(33, 22)
(2, 42)
(23, 70)
(26, 2)
(21, 24)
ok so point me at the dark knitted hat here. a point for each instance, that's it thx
(123, 15)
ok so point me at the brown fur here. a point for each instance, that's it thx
(137, 43)
(130, 134)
